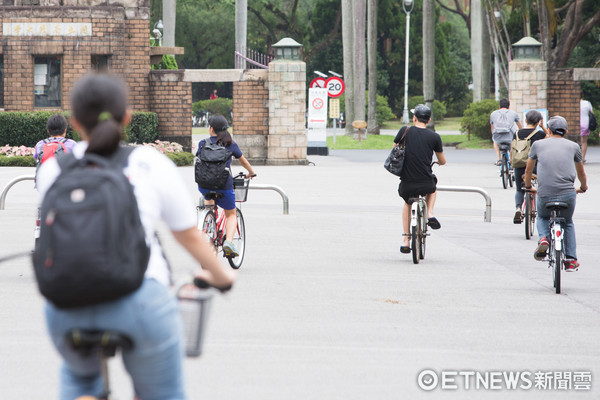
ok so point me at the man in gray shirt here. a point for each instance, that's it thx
(502, 122)
(558, 162)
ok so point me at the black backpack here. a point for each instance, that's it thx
(593, 124)
(92, 247)
(211, 170)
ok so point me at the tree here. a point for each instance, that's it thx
(372, 126)
(359, 59)
(348, 44)
(429, 53)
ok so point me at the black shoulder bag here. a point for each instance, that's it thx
(395, 160)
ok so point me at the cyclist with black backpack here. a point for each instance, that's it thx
(213, 173)
(98, 260)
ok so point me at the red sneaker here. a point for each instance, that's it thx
(571, 265)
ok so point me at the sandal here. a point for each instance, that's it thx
(404, 249)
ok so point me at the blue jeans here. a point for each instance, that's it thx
(543, 220)
(149, 316)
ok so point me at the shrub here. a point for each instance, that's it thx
(143, 128)
(17, 161)
(27, 128)
(182, 159)
(384, 111)
(457, 108)
(439, 109)
(476, 120)
(220, 105)
(168, 62)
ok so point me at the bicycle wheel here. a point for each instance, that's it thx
(558, 260)
(416, 243)
(504, 175)
(207, 223)
(531, 214)
(527, 212)
(239, 241)
(422, 237)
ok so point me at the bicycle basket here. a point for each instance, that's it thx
(240, 187)
(194, 305)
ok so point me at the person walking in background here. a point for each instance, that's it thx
(534, 123)
(558, 163)
(585, 108)
(502, 123)
(214, 95)
(149, 314)
(57, 129)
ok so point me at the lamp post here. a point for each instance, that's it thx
(407, 5)
(497, 15)
(157, 31)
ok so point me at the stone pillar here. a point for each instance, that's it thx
(287, 113)
(563, 99)
(528, 85)
(171, 100)
(251, 115)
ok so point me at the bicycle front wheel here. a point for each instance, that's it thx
(504, 175)
(527, 212)
(239, 241)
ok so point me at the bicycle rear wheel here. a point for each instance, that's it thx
(527, 212)
(239, 241)
(422, 237)
(416, 243)
(530, 216)
(558, 261)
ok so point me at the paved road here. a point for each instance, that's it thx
(327, 308)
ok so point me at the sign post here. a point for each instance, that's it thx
(334, 113)
(317, 122)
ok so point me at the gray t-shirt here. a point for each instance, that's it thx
(556, 158)
(504, 119)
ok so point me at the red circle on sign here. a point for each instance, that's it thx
(318, 104)
(335, 86)
(317, 83)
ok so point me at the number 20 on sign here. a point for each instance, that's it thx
(335, 86)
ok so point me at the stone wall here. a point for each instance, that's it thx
(287, 113)
(171, 99)
(563, 98)
(117, 31)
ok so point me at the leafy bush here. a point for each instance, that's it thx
(457, 108)
(220, 105)
(439, 109)
(27, 128)
(143, 128)
(476, 119)
(168, 62)
(182, 159)
(17, 161)
(384, 111)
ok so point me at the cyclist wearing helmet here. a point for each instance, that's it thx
(558, 162)
(416, 177)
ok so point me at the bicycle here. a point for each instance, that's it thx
(506, 172)
(529, 211)
(194, 299)
(212, 221)
(556, 251)
(418, 226)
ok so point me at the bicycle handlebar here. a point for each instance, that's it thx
(202, 284)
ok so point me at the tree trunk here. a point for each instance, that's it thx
(429, 55)
(480, 52)
(372, 124)
(360, 64)
(348, 47)
(169, 11)
(241, 21)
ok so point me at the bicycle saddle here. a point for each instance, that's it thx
(504, 146)
(213, 196)
(107, 342)
(559, 205)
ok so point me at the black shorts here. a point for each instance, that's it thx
(408, 190)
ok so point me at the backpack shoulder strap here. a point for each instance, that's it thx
(530, 136)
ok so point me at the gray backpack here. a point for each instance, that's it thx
(92, 247)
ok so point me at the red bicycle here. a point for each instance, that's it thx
(212, 221)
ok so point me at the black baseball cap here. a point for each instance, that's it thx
(421, 111)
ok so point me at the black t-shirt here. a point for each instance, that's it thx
(421, 143)
(523, 133)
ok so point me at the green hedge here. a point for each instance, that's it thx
(221, 105)
(384, 112)
(27, 128)
(182, 159)
(143, 128)
(17, 161)
(476, 119)
(439, 109)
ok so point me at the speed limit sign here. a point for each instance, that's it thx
(335, 86)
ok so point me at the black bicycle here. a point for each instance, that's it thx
(506, 171)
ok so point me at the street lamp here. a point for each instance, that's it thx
(407, 5)
(157, 31)
(497, 15)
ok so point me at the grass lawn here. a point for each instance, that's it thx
(378, 142)
(447, 124)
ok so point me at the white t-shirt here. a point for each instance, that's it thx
(584, 108)
(160, 193)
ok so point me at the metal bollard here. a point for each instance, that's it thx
(284, 197)
(11, 184)
(487, 216)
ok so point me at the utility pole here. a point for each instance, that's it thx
(241, 22)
